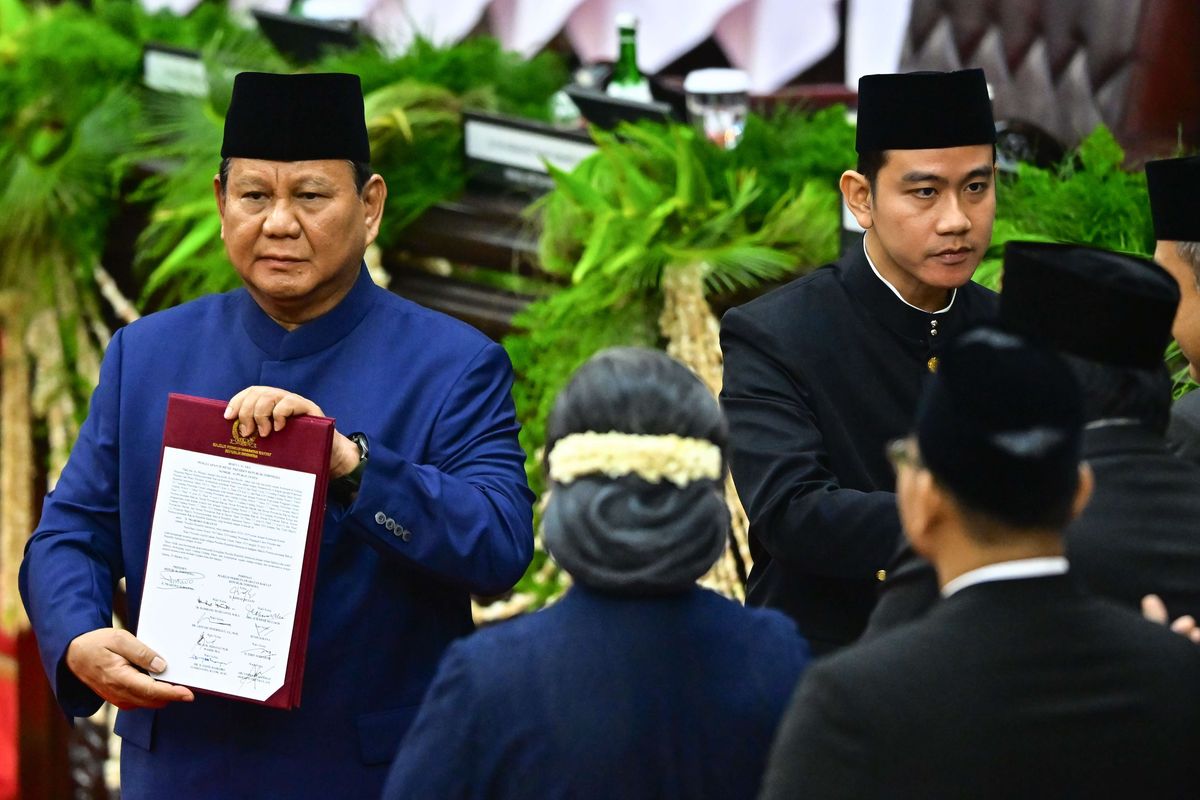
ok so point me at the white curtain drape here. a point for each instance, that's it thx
(527, 25)
(775, 40)
(874, 35)
(665, 29)
(772, 40)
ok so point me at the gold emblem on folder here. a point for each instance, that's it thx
(238, 445)
(237, 440)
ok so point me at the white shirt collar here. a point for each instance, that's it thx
(1008, 571)
(896, 291)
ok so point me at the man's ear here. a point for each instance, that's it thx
(1083, 493)
(919, 499)
(373, 196)
(220, 195)
(856, 191)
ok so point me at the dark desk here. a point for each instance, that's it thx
(474, 257)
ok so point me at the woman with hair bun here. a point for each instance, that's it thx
(637, 683)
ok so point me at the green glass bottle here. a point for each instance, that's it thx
(627, 82)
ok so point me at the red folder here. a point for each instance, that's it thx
(198, 424)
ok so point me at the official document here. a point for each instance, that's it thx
(231, 559)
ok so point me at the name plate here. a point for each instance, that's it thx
(514, 153)
(168, 69)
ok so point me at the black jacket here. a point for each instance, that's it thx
(1012, 689)
(1183, 434)
(819, 375)
(1139, 534)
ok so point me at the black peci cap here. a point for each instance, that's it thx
(1174, 186)
(1001, 425)
(296, 118)
(1100, 305)
(923, 110)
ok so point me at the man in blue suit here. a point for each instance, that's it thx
(428, 498)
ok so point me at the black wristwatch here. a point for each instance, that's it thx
(344, 488)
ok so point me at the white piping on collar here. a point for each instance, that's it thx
(1008, 571)
(896, 291)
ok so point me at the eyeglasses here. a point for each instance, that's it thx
(903, 452)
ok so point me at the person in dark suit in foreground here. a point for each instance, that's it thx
(1017, 684)
(1110, 316)
(638, 683)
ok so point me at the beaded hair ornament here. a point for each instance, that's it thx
(678, 459)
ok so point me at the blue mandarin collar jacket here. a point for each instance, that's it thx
(433, 397)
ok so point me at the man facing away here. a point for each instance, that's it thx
(428, 499)
(1017, 684)
(1109, 315)
(1173, 184)
(821, 373)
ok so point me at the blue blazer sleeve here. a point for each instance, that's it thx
(796, 506)
(467, 515)
(73, 560)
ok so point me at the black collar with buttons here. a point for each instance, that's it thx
(922, 330)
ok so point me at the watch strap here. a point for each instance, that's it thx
(344, 488)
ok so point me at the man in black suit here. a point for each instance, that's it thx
(1110, 316)
(1017, 684)
(1174, 184)
(821, 373)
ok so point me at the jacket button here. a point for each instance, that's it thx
(380, 517)
(390, 524)
(404, 534)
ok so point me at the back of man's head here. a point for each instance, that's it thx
(1173, 185)
(1174, 202)
(1123, 395)
(1110, 314)
(1175, 208)
(999, 426)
